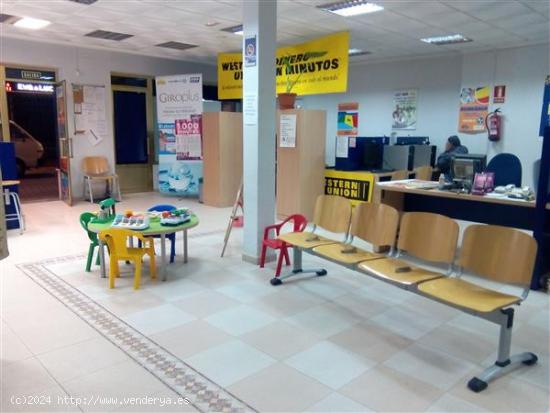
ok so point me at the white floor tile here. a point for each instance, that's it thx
(335, 403)
(158, 319)
(230, 362)
(240, 320)
(324, 320)
(407, 323)
(329, 364)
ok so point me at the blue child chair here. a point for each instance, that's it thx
(172, 236)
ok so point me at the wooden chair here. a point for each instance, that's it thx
(500, 254)
(116, 240)
(428, 237)
(332, 213)
(400, 175)
(373, 223)
(424, 173)
(96, 168)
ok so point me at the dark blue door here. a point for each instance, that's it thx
(130, 112)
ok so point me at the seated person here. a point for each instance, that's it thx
(453, 147)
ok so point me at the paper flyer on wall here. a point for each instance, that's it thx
(404, 110)
(179, 117)
(348, 119)
(474, 107)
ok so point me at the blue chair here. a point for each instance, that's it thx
(507, 169)
(172, 236)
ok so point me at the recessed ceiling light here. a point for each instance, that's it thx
(211, 23)
(351, 7)
(448, 39)
(357, 52)
(234, 29)
(30, 23)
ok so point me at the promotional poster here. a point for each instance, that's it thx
(318, 66)
(474, 107)
(404, 113)
(179, 114)
(348, 118)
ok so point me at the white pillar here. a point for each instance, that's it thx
(260, 20)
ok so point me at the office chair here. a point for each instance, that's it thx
(507, 169)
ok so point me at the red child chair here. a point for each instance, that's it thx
(299, 223)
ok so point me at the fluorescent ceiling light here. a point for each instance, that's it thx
(30, 23)
(351, 7)
(234, 29)
(357, 52)
(448, 39)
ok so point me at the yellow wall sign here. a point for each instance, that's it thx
(321, 66)
(355, 186)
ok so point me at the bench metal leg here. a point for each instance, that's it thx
(297, 268)
(505, 363)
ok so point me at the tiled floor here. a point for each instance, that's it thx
(340, 343)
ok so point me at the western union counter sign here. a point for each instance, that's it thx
(355, 186)
(321, 66)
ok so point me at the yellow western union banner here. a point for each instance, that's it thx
(318, 66)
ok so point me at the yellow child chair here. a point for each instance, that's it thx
(116, 241)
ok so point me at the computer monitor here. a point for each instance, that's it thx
(465, 166)
(373, 153)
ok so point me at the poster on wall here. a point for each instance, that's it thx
(545, 113)
(404, 112)
(348, 118)
(179, 117)
(474, 107)
(318, 66)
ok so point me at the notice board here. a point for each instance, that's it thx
(90, 118)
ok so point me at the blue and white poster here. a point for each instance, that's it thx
(250, 51)
(179, 104)
(545, 115)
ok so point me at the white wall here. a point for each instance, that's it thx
(94, 67)
(438, 81)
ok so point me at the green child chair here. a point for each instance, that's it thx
(85, 218)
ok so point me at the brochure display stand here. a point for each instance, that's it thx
(300, 160)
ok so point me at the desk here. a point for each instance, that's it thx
(407, 196)
(155, 228)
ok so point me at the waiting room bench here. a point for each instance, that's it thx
(500, 254)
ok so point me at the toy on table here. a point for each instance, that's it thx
(106, 211)
(175, 217)
(131, 220)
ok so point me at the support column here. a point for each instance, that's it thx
(260, 20)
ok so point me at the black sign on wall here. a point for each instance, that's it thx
(29, 74)
(348, 188)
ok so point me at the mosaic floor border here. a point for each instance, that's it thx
(202, 393)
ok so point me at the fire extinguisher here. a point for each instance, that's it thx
(493, 122)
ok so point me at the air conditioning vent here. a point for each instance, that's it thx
(85, 2)
(8, 18)
(176, 45)
(104, 34)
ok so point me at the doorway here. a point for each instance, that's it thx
(133, 131)
(31, 124)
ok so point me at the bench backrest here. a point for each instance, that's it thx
(332, 213)
(375, 223)
(498, 253)
(431, 237)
